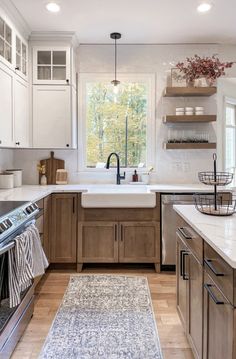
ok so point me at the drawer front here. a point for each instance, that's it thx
(192, 240)
(219, 270)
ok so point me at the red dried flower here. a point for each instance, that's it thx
(209, 67)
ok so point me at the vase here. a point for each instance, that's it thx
(43, 180)
(210, 82)
(201, 82)
(190, 83)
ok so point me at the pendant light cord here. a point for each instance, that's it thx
(115, 58)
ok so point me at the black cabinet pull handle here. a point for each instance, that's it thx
(184, 255)
(67, 145)
(181, 263)
(73, 205)
(115, 232)
(67, 80)
(17, 68)
(213, 297)
(121, 233)
(185, 232)
(17, 143)
(208, 262)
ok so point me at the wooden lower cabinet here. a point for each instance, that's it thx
(98, 242)
(182, 288)
(139, 242)
(219, 323)
(206, 289)
(114, 242)
(195, 304)
(189, 272)
(64, 228)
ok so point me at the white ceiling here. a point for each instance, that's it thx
(139, 21)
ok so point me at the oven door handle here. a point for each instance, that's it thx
(7, 248)
(11, 244)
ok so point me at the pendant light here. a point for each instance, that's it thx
(115, 36)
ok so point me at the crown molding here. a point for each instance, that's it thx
(15, 17)
(55, 36)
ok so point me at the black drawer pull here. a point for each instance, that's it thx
(213, 297)
(185, 232)
(208, 262)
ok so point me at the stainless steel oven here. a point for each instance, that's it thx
(13, 321)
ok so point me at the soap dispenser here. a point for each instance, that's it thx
(135, 176)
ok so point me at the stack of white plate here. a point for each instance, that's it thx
(179, 111)
(199, 110)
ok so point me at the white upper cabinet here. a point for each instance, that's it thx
(21, 113)
(51, 65)
(53, 117)
(6, 106)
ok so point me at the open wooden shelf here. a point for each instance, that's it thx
(189, 119)
(189, 91)
(189, 145)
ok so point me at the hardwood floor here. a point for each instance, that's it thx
(51, 290)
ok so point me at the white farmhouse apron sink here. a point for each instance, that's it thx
(118, 196)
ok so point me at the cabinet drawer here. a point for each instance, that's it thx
(192, 240)
(219, 270)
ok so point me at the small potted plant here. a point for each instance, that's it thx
(209, 68)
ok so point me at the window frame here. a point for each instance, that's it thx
(150, 79)
(231, 102)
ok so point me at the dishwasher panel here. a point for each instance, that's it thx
(169, 224)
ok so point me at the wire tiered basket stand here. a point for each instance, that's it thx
(215, 204)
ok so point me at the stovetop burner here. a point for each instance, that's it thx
(9, 206)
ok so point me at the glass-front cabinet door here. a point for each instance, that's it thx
(21, 57)
(51, 66)
(5, 41)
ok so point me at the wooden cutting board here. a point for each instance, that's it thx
(52, 165)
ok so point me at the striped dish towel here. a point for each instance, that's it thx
(26, 260)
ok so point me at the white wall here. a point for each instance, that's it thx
(170, 166)
(6, 159)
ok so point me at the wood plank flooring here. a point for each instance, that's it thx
(51, 290)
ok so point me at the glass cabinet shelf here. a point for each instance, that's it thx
(52, 65)
(21, 56)
(5, 41)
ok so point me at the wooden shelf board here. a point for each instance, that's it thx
(189, 146)
(189, 91)
(186, 118)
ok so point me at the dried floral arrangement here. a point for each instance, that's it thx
(197, 67)
(41, 169)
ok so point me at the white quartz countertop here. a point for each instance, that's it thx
(35, 192)
(218, 232)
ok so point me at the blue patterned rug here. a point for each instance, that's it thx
(104, 317)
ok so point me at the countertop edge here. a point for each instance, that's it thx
(203, 235)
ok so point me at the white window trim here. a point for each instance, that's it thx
(151, 128)
(230, 101)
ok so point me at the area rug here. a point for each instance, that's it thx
(104, 317)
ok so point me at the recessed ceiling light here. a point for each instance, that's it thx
(53, 7)
(204, 7)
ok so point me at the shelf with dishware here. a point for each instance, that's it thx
(189, 91)
(189, 145)
(189, 118)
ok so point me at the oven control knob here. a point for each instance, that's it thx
(29, 209)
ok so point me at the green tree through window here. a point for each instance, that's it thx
(116, 122)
